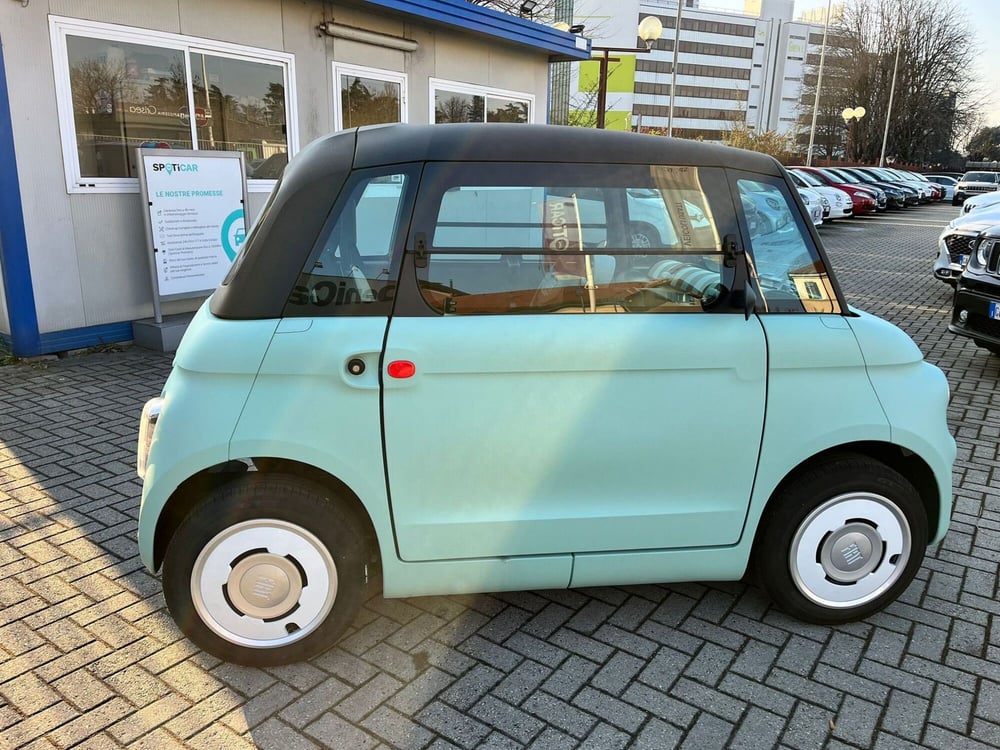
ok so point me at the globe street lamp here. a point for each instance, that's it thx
(649, 31)
(855, 113)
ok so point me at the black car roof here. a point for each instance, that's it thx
(392, 144)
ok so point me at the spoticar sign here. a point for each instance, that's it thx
(170, 168)
(195, 215)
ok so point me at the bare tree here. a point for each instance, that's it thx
(936, 97)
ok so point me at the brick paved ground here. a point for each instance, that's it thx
(90, 658)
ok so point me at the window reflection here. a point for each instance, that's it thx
(368, 101)
(452, 106)
(506, 110)
(484, 106)
(240, 106)
(125, 95)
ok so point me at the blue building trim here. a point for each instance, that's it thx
(25, 339)
(80, 338)
(464, 15)
(18, 290)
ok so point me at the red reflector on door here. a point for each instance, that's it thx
(401, 368)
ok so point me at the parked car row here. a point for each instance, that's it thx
(867, 190)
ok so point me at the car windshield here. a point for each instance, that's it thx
(861, 175)
(839, 176)
(980, 177)
(810, 179)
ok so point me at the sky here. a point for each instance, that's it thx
(983, 17)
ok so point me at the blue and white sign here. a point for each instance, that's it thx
(196, 217)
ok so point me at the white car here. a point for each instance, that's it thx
(947, 182)
(955, 242)
(814, 204)
(986, 201)
(841, 205)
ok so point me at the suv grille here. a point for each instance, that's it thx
(958, 244)
(978, 189)
(992, 255)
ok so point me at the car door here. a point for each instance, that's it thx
(316, 398)
(549, 389)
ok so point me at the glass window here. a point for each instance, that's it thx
(462, 102)
(368, 96)
(125, 95)
(572, 239)
(454, 106)
(352, 271)
(120, 88)
(500, 109)
(240, 106)
(789, 273)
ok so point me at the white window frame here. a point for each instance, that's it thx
(60, 27)
(389, 76)
(475, 90)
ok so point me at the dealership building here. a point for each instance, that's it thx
(87, 85)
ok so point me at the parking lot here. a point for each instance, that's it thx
(89, 657)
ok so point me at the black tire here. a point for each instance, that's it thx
(841, 540)
(991, 348)
(260, 538)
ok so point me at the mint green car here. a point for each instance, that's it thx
(443, 362)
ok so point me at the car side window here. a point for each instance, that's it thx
(353, 269)
(789, 272)
(507, 239)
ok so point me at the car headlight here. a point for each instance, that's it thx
(147, 427)
(982, 253)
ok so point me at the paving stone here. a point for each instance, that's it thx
(559, 714)
(605, 737)
(905, 715)
(707, 733)
(758, 729)
(310, 705)
(951, 708)
(658, 735)
(508, 719)
(368, 697)
(453, 725)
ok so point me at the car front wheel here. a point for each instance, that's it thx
(268, 570)
(841, 541)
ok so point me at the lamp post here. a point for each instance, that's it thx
(673, 69)
(819, 83)
(892, 93)
(649, 31)
(855, 113)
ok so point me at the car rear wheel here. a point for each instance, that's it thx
(268, 570)
(841, 540)
(643, 236)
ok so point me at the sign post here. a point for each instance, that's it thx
(195, 214)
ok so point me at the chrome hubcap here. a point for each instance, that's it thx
(264, 583)
(850, 550)
(641, 240)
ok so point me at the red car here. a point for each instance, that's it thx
(863, 200)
